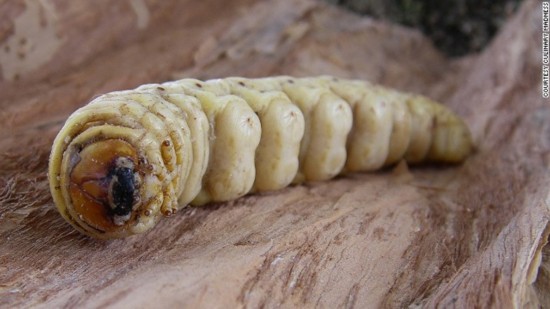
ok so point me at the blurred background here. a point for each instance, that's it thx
(457, 27)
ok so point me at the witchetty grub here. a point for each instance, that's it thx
(129, 158)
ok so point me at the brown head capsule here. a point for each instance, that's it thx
(104, 184)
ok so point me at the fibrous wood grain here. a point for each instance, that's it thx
(467, 236)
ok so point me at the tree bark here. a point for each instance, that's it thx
(472, 235)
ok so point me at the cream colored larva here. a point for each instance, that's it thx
(128, 158)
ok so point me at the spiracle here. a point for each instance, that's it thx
(129, 158)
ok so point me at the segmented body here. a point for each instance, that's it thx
(129, 157)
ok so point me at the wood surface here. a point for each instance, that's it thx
(472, 235)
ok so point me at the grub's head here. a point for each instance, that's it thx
(103, 184)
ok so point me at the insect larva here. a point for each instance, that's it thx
(129, 157)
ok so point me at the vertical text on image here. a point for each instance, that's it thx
(545, 16)
(545, 40)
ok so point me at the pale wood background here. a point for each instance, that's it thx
(471, 235)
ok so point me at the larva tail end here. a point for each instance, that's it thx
(452, 141)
